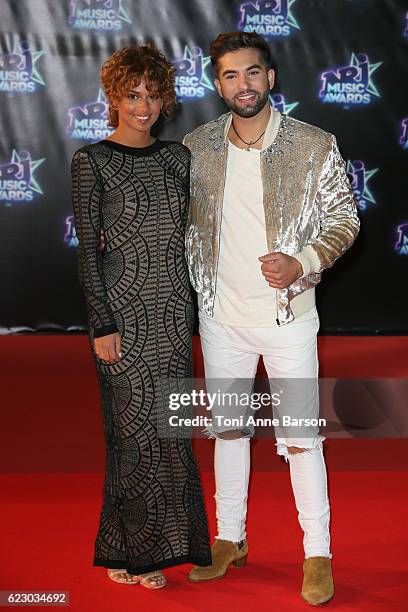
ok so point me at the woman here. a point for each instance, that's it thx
(134, 189)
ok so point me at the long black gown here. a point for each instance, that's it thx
(153, 514)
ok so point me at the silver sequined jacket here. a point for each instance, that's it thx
(309, 205)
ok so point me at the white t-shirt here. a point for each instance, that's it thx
(243, 296)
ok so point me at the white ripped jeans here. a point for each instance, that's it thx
(289, 352)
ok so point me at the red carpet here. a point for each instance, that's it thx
(51, 456)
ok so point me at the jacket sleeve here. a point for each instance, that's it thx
(339, 223)
(86, 200)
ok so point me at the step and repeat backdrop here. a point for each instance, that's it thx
(342, 65)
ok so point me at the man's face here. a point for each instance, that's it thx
(243, 81)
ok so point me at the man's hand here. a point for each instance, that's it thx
(107, 348)
(280, 270)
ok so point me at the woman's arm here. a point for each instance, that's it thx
(86, 200)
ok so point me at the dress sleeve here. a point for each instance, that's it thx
(187, 178)
(86, 201)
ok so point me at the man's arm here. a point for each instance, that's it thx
(339, 226)
(339, 223)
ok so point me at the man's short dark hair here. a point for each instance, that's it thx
(234, 41)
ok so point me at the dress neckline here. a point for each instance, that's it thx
(152, 148)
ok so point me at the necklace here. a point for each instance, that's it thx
(251, 142)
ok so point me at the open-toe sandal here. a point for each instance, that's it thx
(122, 576)
(152, 580)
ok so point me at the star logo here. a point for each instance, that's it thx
(371, 88)
(17, 178)
(195, 64)
(78, 9)
(278, 103)
(122, 14)
(89, 121)
(359, 178)
(290, 17)
(23, 59)
(20, 160)
(98, 108)
(350, 84)
(268, 17)
(191, 76)
(102, 97)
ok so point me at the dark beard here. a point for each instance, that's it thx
(249, 111)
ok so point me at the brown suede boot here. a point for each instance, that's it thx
(224, 553)
(317, 585)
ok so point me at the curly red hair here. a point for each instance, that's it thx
(124, 70)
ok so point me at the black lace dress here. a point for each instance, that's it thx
(153, 514)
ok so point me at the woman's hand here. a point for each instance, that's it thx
(107, 348)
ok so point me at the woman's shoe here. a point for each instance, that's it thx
(122, 576)
(152, 580)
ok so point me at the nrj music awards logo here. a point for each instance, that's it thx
(70, 237)
(401, 244)
(18, 70)
(97, 14)
(17, 181)
(359, 178)
(191, 78)
(350, 84)
(403, 139)
(89, 121)
(267, 17)
(278, 103)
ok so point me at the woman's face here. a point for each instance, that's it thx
(140, 109)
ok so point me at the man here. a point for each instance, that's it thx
(271, 208)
